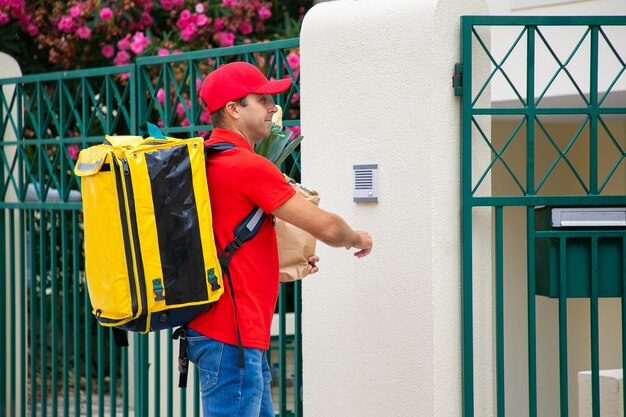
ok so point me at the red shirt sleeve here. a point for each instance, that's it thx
(264, 184)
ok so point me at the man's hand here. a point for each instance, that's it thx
(364, 242)
(312, 261)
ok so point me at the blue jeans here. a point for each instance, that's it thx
(228, 390)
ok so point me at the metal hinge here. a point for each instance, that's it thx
(457, 80)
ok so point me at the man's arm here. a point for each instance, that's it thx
(323, 225)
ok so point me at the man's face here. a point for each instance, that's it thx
(256, 118)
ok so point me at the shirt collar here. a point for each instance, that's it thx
(224, 135)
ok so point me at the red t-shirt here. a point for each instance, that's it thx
(239, 180)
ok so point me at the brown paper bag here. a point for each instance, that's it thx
(295, 246)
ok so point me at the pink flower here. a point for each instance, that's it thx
(226, 38)
(147, 19)
(139, 43)
(229, 3)
(265, 13)
(124, 43)
(75, 11)
(178, 3)
(199, 8)
(125, 75)
(66, 24)
(107, 51)
(53, 56)
(180, 110)
(73, 150)
(295, 97)
(167, 4)
(296, 131)
(202, 20)
(106, 13)
(185, 122)
(177, 51)
(163, 52)
(32, 29)
(205, 117)
(122, 58)
(83, 32)
(218, 23)
(245, 28)
(160, 123)
(184, 19)
(147, 6)
(4, 18)
(198, 84)
(293, 60)
(160, 95)
(188, 33)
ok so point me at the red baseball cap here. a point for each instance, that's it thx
(233, 81)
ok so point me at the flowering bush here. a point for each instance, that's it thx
(59, 35)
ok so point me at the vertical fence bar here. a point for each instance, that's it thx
(100, 353)
(32, 302)
(113, 351)
(144, 368)
(157, 373)
(24, 252)
(54, 313)
(297, 383)
(593, 306)
(43, 316)
(125, 394)
(593, 113)
(196, 395)
(137, 373)
(76, 315)
(86, 313)
(466, 172)
(3, 291)
(530, 217)
(623, 308)
(12, 316)
(500, 311)
(282, 352)
(170, 376)
(563, 384)
(66, 313)
(532, 321)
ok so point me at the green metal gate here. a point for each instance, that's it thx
(55, 359)
(552, 152)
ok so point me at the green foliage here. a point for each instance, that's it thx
(277, 146)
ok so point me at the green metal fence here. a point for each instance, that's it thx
(530, 159)
(55, 359)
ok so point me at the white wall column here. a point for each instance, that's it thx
(382, 335)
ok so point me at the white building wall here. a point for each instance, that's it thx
(382, 334)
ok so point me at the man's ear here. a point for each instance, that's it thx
(231, 110)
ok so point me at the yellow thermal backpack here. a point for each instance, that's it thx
(150, 256)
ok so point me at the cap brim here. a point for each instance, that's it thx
(273, 87)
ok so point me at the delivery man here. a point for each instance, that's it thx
(237, 95)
